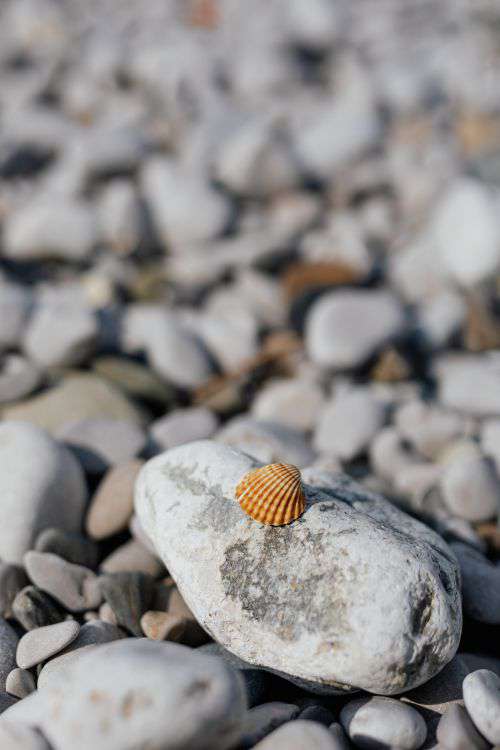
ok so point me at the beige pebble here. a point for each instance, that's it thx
(113, 502)
(163, 626)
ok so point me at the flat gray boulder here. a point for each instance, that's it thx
(354, 594)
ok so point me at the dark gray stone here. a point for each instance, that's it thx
(8, 645)
(73, 548)
(129, 595)
(33, 608)
(262, 720)
(12, 580)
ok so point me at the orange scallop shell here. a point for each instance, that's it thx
(273, 494)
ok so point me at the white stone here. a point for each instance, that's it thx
(18, 377)
(471, 384)
(60, 333)
(469, 484)
(490, 440)
(441, 317)
(466, 232)
(346, 327)
(53, 226)
(348, 423)
(18, 736)
(172, 350)
(145, 694)
(384, 722)
(340, 128)
(267, 441)
(184, 206)
(41, 485)
(429, 429)
(255, 160)
(294, 402)
(314, 24)
(482, 701)
(183, 425)
(119, 214)
(353, 571)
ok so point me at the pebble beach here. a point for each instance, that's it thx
(234, 236)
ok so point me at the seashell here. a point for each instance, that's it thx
(272, 494)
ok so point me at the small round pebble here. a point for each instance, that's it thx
(457, 732)
(113, 502)
(301, 735)
(482, 701)
(385, 721)
(40, 644)
(20, 683)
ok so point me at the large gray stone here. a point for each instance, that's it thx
(41, 485)
(355, 594)
(138, 693)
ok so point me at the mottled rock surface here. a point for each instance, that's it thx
(355, 594)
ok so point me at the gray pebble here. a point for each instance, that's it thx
(482, 701)
(480, 584)
(6, 701)
(101, 443)
(73, 548)
(14, 306)
(74, 586)
(12, 580)
(60, 333)
(129, 595)
(262, 720)
(18, 736)
(457, 732)
(182, 426)
(20, 683)
(8, 645)
(341, 740)
(33, 608)
(302, 735)
(269, 442)
(132, 556)
(385, 721)
(40, 644)
(18, 377)
(318, 713)
(63, 228)
(36, 493)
